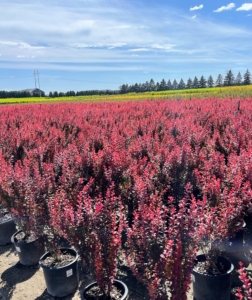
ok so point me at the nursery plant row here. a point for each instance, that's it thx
(154, 182)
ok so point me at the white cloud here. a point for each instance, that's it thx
(162, 47)
(99, 45)
(139, 49)
(245, 6)
(119, 27)
(227, 7)
(194, 16)
(25, 56)
(78, 34)
(197, 7)
(20, 45)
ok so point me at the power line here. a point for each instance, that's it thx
(64, 79)
(83, 80)
(12, 77)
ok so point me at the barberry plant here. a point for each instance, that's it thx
(244, 292)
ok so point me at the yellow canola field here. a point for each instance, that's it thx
(215, 92)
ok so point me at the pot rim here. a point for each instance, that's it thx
(8, 220)
(57, 268)
(19, 243)
(124, 296)
(219, 275)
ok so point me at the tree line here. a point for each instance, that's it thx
(228, 80)
(18, 94)
(83, 93)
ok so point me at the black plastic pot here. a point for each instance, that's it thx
(212, 287)
(7, 229)
(61, 281)
(119, 284)
(29, 253)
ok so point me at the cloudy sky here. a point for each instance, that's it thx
(98, 44)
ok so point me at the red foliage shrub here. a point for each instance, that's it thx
(244, 292)
(58, 163)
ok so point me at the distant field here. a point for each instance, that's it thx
(219, 92)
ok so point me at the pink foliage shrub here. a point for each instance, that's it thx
(139, 167)
(244, 292)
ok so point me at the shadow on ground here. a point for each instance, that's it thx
(12, 276)
(8, 249)
(46, 296)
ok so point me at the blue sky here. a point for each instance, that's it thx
(98, 44)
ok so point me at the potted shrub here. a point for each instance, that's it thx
(226, 187)
(60, 270)
(226, 197)
(160, 246)
(24, 191)
(59, 263)
(106, 215)
(96, 234)
(212, 272)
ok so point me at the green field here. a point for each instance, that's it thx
(216, 92)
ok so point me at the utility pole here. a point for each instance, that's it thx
(36, 76)
(38, 84)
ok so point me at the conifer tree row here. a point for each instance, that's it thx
(228, 80)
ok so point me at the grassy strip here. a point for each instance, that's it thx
(220, 92)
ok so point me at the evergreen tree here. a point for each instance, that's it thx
(136, 88)
(55, 94)
(195, 83)
(152, 85)
(181, 84)
(238, 80)
(162, 85)
(146, 86)
(140, 85)
(219, 80)
(174, 85)
(202, 82)
(229, 78)
(247, 78)
(169, 85)
(189, 84)
(123, 89)
(50, 94)
(210, 81)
